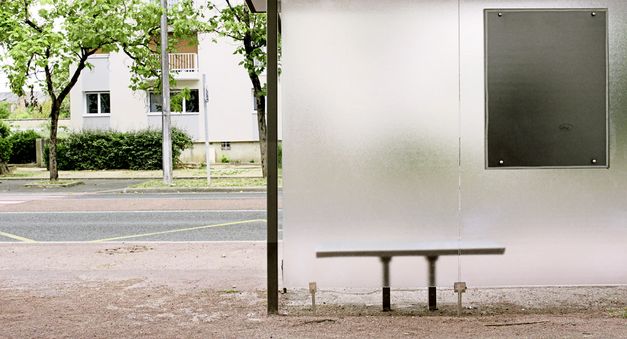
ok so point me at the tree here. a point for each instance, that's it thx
(52, 40)
(249, 31)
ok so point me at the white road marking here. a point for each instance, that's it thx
(141, 235)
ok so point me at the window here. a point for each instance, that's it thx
(98, 103)
(190, 105)
(225, 146)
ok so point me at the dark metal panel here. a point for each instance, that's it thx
(546, 88)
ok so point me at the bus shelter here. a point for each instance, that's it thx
(449, 120)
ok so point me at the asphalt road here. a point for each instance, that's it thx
(133, 226)
(94, 212)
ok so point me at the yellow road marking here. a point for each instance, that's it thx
(178, 230)
(17, 237)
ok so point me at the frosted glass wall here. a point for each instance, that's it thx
(370, 100)
(560, 226)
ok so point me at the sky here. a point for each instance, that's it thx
(4, 82)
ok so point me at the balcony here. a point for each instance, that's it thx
(184, 66)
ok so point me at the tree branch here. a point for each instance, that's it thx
(27, 20)
(81, 65)
(49, 83)
(234, 11)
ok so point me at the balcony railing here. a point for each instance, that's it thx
(183, 62)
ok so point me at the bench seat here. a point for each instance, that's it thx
(431, 250)
(394, 249)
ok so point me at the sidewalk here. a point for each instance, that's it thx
(200, 290)
(225, 178)
(217, 171)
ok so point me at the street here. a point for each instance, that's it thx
(97, 212)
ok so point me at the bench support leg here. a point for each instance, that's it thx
(386, 283)
(432, 288)
(386, 299)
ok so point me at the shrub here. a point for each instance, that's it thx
(23, 146)
(5, 150)
(5, 130)
(279, 155)
(96, 150)
(224, 159)
(5, 110)
(5, 147)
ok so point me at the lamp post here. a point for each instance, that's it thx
(165, 102)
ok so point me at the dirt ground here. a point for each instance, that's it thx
(204, 290)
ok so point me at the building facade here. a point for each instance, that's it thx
(102, 100)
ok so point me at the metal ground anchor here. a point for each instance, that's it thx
(459, 288)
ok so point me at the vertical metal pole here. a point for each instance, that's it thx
(432, 289)
(206, 116)
(432, 261)
(272, 190)
(386, 283)
(165, 91)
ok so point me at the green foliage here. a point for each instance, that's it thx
(23, 147)
(247, 29)
(5, 110)
(55, 38)
(5, 130)
(5, 144)
(97, 150)
(176, 100)
(56, 34)
(279, 155)
(5, 150)
(224, 159)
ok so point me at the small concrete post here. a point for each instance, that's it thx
(312, 290)
(459, 287)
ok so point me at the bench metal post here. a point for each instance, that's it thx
(386, 283)
(432, 288)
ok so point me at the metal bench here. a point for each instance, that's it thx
(385, 251)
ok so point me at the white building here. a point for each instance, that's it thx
(103, 100)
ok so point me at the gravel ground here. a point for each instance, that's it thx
(173, 290)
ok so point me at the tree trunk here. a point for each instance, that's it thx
(260, 103)
(52, 150)
(4, 168)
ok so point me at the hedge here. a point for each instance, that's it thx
(97, 150)
(5, 143)
(23, 146)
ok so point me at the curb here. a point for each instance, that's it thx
(49, 185)
(193, 189)
(120, 178)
